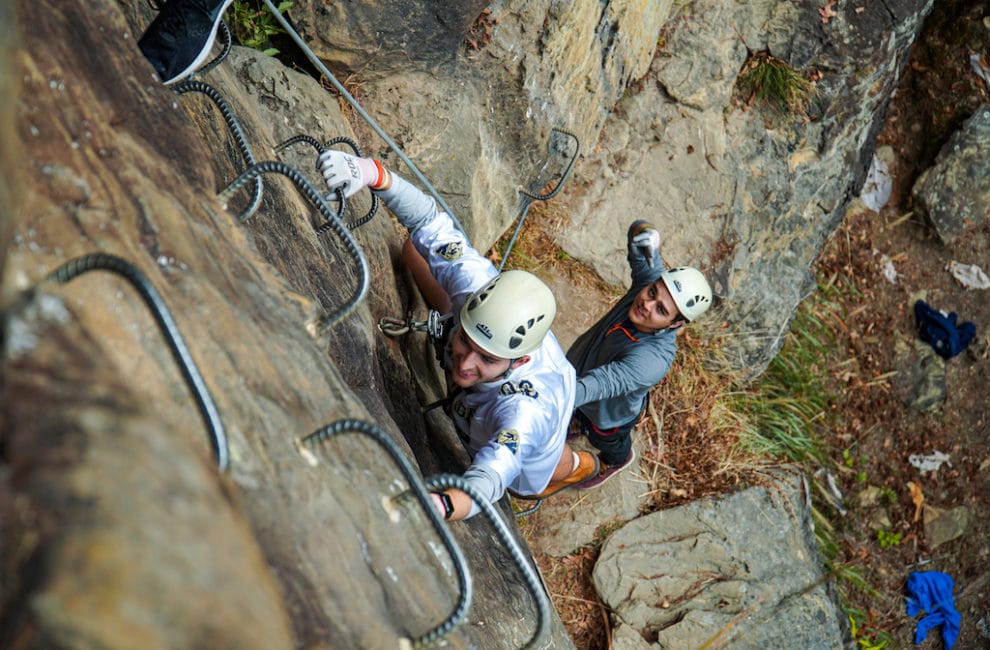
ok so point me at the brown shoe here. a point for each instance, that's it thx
(587, 468)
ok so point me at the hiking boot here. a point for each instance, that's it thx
(179, 39)
(608, 471)
(587, 467)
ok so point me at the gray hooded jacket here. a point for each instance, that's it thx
(617, 367)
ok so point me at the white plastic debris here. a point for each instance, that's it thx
(981, 67)
(877, 187)
(833, 493)
(969, 275)
(886, 266)
(929, 462)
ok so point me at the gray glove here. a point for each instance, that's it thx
(648, 244)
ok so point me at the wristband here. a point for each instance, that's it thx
(448, 504)
(384, 178)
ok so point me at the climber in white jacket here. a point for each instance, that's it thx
(510, 386)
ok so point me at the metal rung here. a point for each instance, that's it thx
(420, 492)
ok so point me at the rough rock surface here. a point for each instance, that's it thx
(745, 194)
(106, 465)
(105, 468)
(954, 195)
(724, 571)
(9, 144)
(376, 38)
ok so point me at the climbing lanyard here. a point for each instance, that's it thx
(528, 197)
(433, 325)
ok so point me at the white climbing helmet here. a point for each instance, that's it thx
(509, 316)
(689, 289)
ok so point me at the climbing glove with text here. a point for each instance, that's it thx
(350, 173)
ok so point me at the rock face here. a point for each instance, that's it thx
(158, 556)
(954, 195)
(746, 195)
(121, 530)
(385, 37)
(8, 142)
(729, 571)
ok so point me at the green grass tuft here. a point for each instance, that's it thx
(254, 25)
(768, 81)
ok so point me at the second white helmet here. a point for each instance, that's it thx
(509, 316)
(689, 289)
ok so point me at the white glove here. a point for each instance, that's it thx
(648, 244)
(348, 173)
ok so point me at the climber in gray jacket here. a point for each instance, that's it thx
(629, 350)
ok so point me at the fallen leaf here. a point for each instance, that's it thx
(917, 498)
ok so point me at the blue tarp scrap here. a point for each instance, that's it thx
(931, 592)
(941, 331)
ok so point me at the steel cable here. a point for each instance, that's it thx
(332, 222)
(235, 130)
(207, 408)
(420, 492)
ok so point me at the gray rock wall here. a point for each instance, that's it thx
(115, 473)
(744, 194)
(741, 572)
(747, 195)
(125, 533)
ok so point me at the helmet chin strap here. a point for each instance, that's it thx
(670, 328)
(508, 371)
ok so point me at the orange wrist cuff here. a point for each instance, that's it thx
(383, 177)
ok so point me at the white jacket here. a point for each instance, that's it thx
(514, 429)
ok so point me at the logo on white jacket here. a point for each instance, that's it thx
(450, 250)
(525, 387)
(509, 438)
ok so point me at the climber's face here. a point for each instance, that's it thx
(653, 308)
(472, 365)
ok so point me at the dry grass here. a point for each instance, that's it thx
(695, 435)
(536, 251)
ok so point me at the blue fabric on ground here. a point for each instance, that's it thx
(940, 330)
(931, 591)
